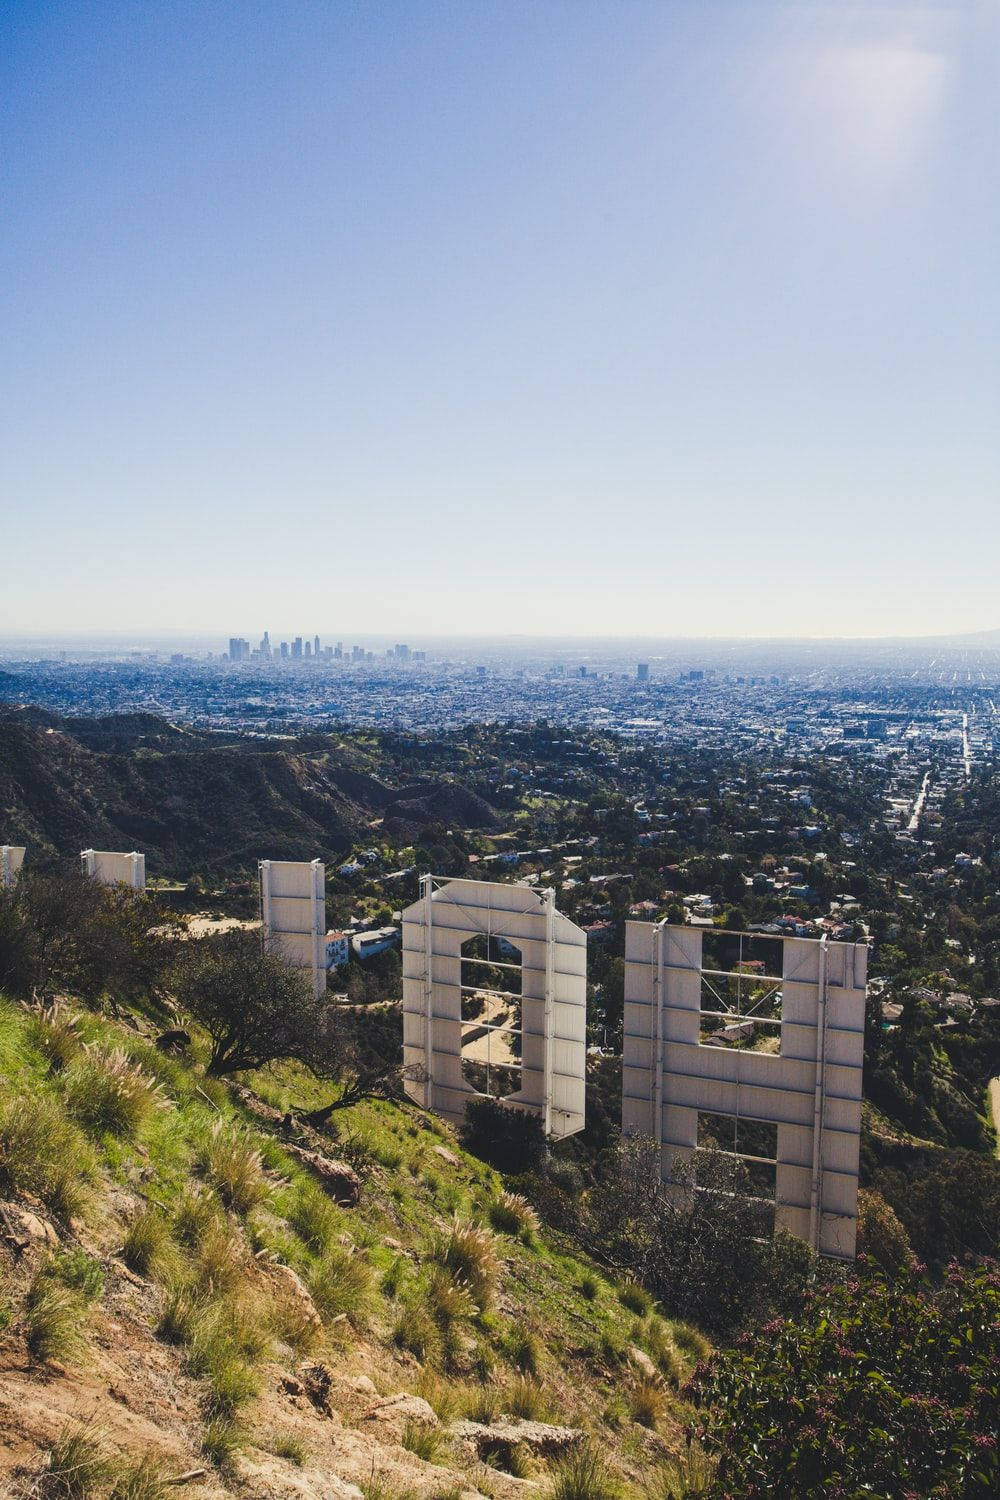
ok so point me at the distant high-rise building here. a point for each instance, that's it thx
(265, 646)
(402, 653)
(309, 649)
(315, 645)
(284, 651)
(297, 648)
(239, 649)
(642, 672)
(338, 651)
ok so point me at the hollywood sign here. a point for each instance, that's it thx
(742, 1044)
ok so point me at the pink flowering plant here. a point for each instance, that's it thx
(882, 1387)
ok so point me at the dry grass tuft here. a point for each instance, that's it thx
(233, 1164)
(468, 1253)
(110, 1094)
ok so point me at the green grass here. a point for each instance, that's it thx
(53, 1321)
(108, 1093)
(77, 1466)
(232, 1162)
(140, 1479)
(584, 1475)
(43, 1154)
(424, 1441)
(343, 1286)
(145, 1241)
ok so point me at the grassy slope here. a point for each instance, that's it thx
(551, 1316)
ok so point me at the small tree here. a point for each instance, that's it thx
(253, 1005)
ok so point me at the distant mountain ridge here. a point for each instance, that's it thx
(193, 800)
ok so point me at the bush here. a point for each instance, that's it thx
(589, 1287)
(108, 1093)
(507, 1137)
(78, 1271)
(41, 1152)
(895, 1386)
(254, 1006)
(232, 1162)
(467, 1252)
(880, 1234)
(195, 1214)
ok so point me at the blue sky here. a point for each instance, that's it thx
(624, 318)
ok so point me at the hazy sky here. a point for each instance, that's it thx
(625, 318)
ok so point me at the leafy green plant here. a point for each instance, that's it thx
(894, 1383)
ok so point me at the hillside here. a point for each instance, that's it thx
(179, 1296)
(198, 801)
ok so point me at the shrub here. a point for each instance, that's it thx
(881, 1236)
(589, 1287)
(423, 1440)
(54, 1315)
(145, 1240)
(467, 1252)
(583, 1475)
(512, 1214)
(77, 1468)
(43, 1153)
(884, 1402)
(109, 1094)
(231, 1161)
(508, 1138)
(342, 1286)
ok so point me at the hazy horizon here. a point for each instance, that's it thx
(594, 321)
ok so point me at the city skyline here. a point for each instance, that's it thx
(652, 321)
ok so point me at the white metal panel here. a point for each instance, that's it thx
(115, 869)
(293, 914)
(552, 1000)
(11, 860)
(811, 1087)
